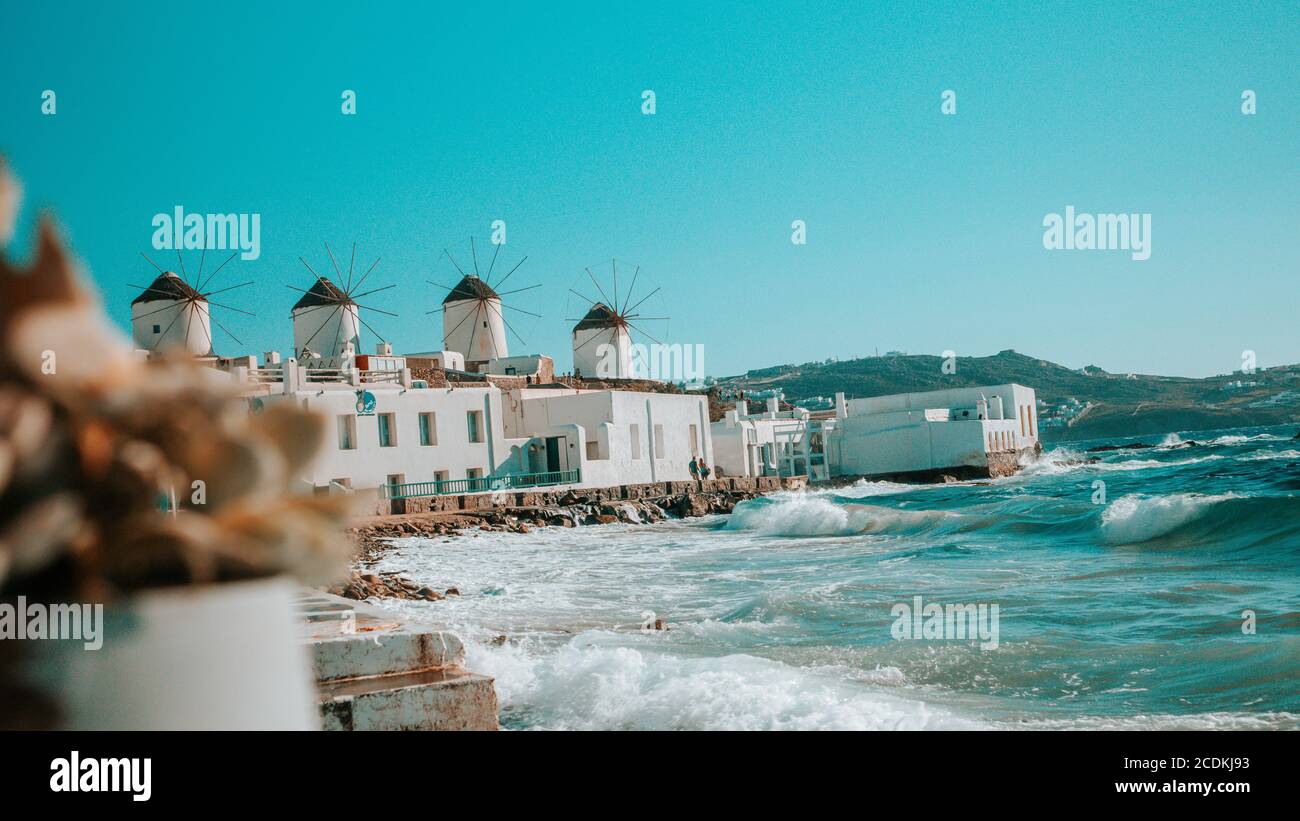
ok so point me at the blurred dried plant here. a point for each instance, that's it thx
(93, 438)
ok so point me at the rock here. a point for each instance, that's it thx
(690, 504)
(452, 591)
(606, 519)
(499, 640)
(949, 479)
(428, 594)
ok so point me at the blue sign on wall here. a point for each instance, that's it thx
(365, 403)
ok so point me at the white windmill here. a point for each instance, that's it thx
(172, 313)
(605, 338)
(473, 313)
(327, 318)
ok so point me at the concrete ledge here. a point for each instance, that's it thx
(363, 654)
(424, 700)
(378, 671)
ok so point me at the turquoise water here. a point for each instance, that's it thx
(1122, 612)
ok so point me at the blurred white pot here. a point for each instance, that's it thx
(215, 657)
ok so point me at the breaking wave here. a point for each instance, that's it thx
(592, 683)
(802, 514)
(1226, 521)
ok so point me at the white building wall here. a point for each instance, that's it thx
(934, 430)
(368, 465)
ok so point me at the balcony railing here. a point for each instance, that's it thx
(484, 484)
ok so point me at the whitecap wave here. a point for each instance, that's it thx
(590, 684)
(802, 514)
(1135, 518)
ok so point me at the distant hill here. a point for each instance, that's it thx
(1080, 404)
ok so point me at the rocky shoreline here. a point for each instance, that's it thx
(573, 509)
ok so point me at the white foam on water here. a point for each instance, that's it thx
(1163, 721)
(597, 682)
(1136, 518)
(801, 514)
(1262, 455)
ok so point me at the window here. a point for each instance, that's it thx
(157, 329)
(347, 431)
(387, 430)
(1022, 419)
(474, 473)
(396, 479)
(441, 476)
(475, 422)
(634, 433)
(593, 450)
(695, 441)
(1029, 412)
(511, 371)
(428, 430)
(659, 441)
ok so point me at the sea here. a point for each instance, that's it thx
(1152, 588)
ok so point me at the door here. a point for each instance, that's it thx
(552, 454)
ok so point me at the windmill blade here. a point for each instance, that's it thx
(368, 270)
(492, 265)
(520, 310)
(376, 310)
(229, 308)
(453, 261)
(181, 262)
(151, 262)
(453, 330)
(589, 299)
(350, 264)
(214, 273)
(632, 287)
(613, 262)
(355, 297)
(508, 325)
(229, 288)
(309, 268)
(597, 284)
(613, 334)
(512, 270)
(643, 333)
(333, 261)
(307, 344)
(203, 255)
(517, 290)
(644, 298)
(163, 335)
(473, 255)
(377, 334)
(227, 331)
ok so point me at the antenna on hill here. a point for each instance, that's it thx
(179, 310)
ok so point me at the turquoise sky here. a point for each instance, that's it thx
(924, 231)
